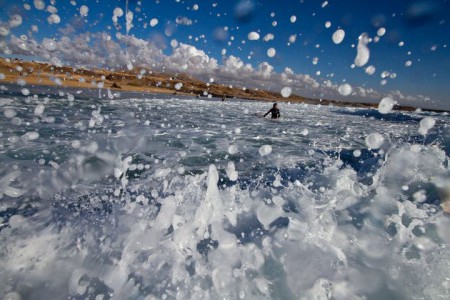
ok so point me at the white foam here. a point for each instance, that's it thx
(426, 124)
(363, 52)
(265, 150)
(386, 105)
(231, 172)
(374, 140)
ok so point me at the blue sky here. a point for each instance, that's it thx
(421, 27)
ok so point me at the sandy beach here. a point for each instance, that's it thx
(23, 72)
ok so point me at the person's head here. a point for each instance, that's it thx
(275, 105)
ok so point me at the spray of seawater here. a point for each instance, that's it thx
(132, 203)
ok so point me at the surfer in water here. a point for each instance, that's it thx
(275, 112)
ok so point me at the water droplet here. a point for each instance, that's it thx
(154, 22)
(386, 105)
(265, 150)
(374, 140)
(271, 52)
(286, 92)
(338, 36)
(345, 89)
(84, 10)
(253, 36)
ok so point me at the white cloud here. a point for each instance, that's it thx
(186, 58)
(102, 50)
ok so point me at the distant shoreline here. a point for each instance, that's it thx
(146, 81)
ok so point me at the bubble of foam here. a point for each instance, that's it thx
(408, 63)
(154, 22)
(174, 43)
(84, 10)
(370, 70)
(293, 19)
(39, 109)
(178, 86)
(53, 19)
(265, 150)
(338, 36)
(17, 221)
(268, 37)
(39, 4)
(327, 24)
(253, 36)
(381, 31)
(233, 149)
(25, 91)
(357, 153)
(76, 144)
(15, 21)
(271, 52)
(118, 12)
(231, 171)
(363, 52)
(385, 74)
(292, 38)
(4, 31)
(12, 296)
(9, 113)
(29, 136)
(374, 140)
(51, 9)
(386, 105)
(77, 285)
(195, 7)
(286, 92)
(345, 89)
(426, 124)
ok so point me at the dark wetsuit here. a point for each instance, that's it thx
(275, 113)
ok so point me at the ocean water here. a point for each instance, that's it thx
(135, 196)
